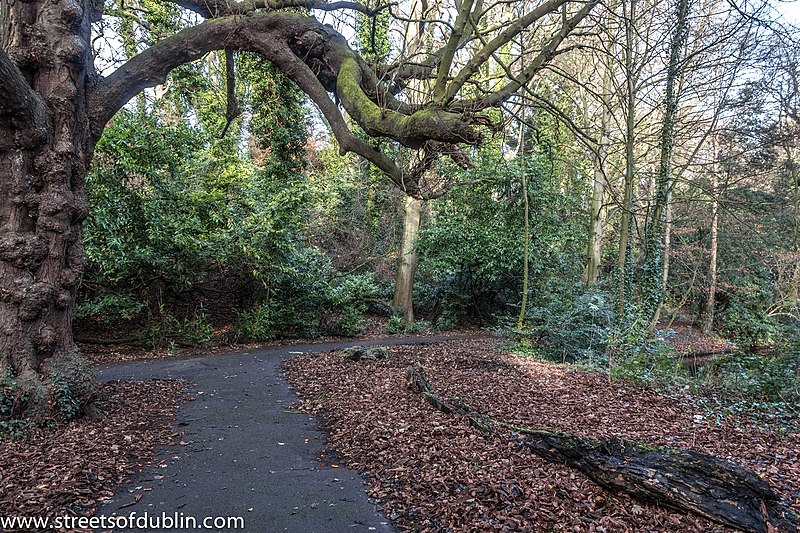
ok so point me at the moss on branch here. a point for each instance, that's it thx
(410, 130)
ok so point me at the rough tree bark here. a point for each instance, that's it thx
(680, 479)
(45, 147)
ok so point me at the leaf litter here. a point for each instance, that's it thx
(69, 469)
(434, 472)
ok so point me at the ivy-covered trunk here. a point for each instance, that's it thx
(652, 286)
(44, 152)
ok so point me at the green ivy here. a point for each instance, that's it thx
(67, 404)
(8, 391)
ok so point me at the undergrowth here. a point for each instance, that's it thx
(10, 398)
(763, 388)
(396, 326)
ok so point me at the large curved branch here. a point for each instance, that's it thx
(310, 84)
(24, 108)
(412, 130)
(295, 43)
(281, 38)
(224, 8)
(320, 61)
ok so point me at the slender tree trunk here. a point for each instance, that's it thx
(626, 220)
(527, 229)
(407, 262)
(794, 288)
(653, 286)
(711, 295)
(42, 206)
(594, 247)
(403, 302)
(667, 248)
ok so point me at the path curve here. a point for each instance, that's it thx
(246, 453)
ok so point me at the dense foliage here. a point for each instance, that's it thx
(188, 228)
(471, 248)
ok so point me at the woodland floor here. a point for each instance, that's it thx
(691, 341)
(69, 469)
(434, 472)
(429, 471)
(105, 352)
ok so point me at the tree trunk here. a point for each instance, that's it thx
(793, 299)
(594, 246)
(53, 108)
(667, 248)
(407, 262)
(523, 308)
(626, 219)
(42, 206)
(711, 295)
(653, 287)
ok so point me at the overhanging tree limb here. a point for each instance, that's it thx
(450, 49)
(483, 55)
(536, 64)
(267, 34)
(411, 130)
(222, 8)
(320, 61)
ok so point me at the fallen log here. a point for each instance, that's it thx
(684, 480)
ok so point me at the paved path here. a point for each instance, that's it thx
(249, 455)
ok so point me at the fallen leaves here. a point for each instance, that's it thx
(433, 472)
(70, 468)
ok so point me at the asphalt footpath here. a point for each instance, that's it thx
(245, 454)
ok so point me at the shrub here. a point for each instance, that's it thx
(571, 330)
(471, 259)
(307, 298)
(166, 330)
(8, 393)
(745, 317)
(396, 326)
(649, 360)
(763, 379)
(10, 399)
(347, 296)
(14, 429)
(110, 307)
(67, 404)
(255, 324)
